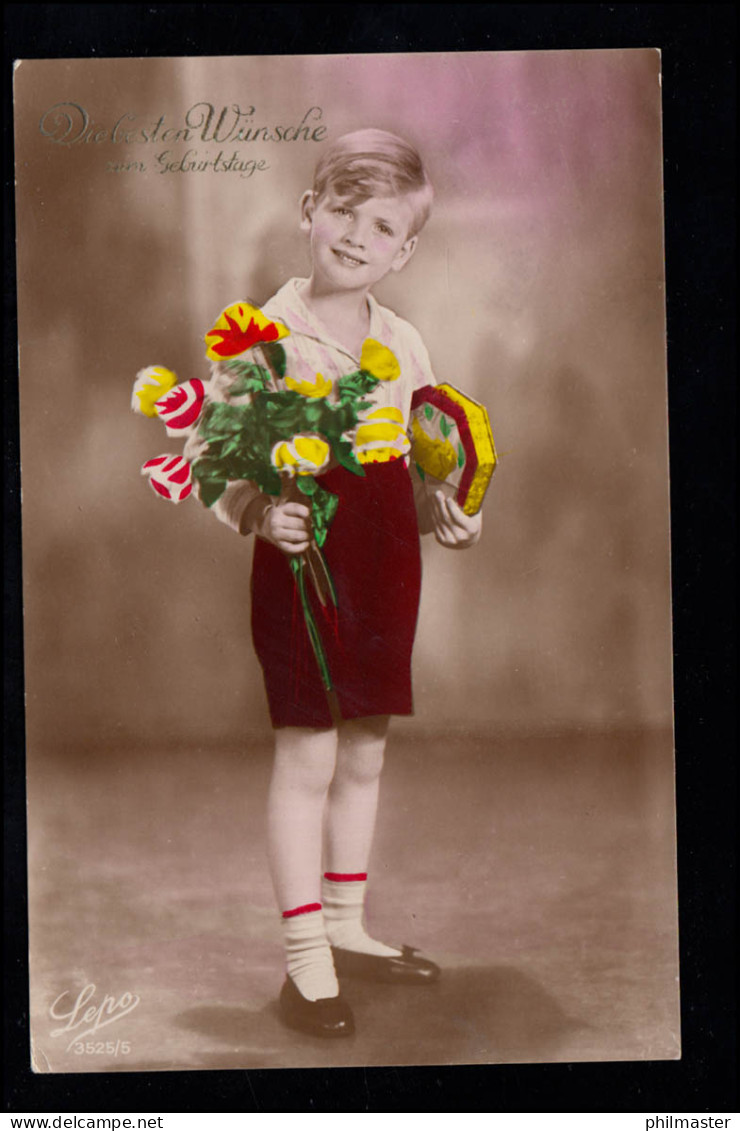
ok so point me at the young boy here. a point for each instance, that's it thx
(370, 199)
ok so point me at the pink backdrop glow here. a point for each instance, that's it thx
(538, 288)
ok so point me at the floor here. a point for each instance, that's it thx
(538, 872)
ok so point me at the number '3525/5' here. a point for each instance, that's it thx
(109, 1048)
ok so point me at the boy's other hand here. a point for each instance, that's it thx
(286, 524)
(452, 527)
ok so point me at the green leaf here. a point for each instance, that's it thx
(245, 367)
(249, 377)
(445, 425)
(211, 490)
(244, 385)
(345, 455)
(268, 480)
(324, 508)
(337, 419)
(460, 455)
(422, 474)
(274, 355)
(355, 385)
(220, 420)
(231, 447)
(205, 468)
(306, 484)
(240, 367)
(428, 411)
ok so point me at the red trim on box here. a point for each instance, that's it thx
(304, 910)
(345, 877)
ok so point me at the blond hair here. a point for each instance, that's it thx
(374, 162)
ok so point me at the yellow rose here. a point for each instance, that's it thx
(379, 361)
(303, 455)
(150, 386)
(320, 388)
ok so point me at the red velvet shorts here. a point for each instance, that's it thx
(373, 554)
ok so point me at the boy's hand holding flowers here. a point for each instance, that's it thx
(284, 522)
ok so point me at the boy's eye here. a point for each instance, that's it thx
(384, 229)
(342, 212)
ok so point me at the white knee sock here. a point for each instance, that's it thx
(308, 955)
(343, 901)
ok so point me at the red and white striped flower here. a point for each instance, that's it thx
(169, 476)
(180, 407)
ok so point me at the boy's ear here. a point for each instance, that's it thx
(404, 253)
(308, 205)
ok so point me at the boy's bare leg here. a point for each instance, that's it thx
(304, 765)
(349, 828)
(353, 796)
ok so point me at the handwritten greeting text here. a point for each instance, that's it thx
(69, 123)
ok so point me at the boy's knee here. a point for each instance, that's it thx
(305, 759)
(360, 765)
(307, 777)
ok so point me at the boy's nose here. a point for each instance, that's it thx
(355, 235)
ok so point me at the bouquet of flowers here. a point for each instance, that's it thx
(280, 433)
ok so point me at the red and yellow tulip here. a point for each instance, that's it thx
(238, 328)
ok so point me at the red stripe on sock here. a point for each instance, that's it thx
(302, 910)
(344, 877)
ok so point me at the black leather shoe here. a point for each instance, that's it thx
(406, 967)
(327, 1017)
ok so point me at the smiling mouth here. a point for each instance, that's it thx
(349, 260)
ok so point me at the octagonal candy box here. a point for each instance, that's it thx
(452, 444)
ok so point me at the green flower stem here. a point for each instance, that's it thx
(320, 575)
(297, 565)
(328, 578)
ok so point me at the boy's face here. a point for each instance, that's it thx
(354, 246)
